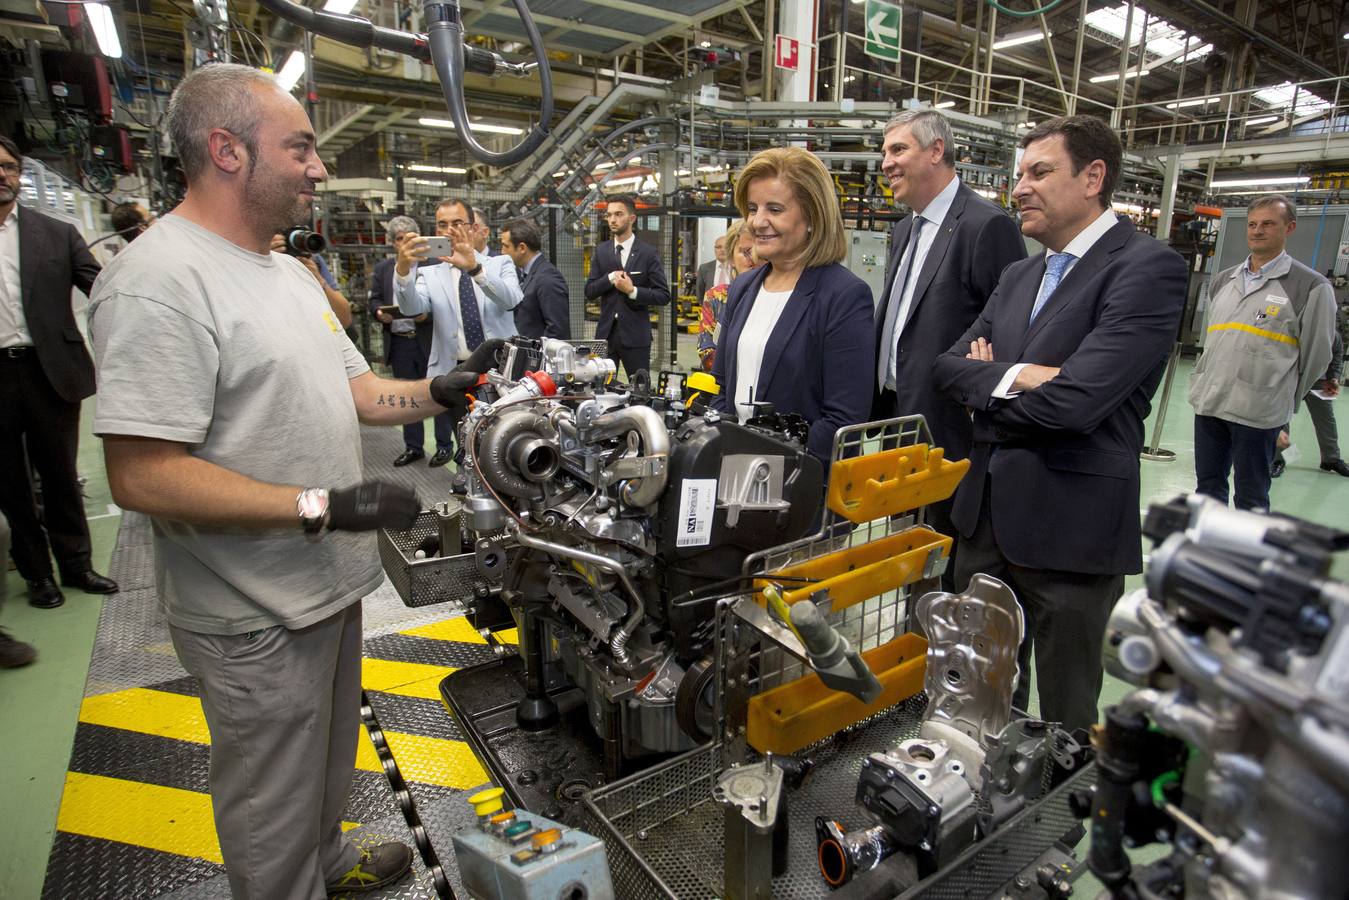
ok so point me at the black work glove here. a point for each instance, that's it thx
(484, 359)
(451, 389)
(370, 505)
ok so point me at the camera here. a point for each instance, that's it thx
(300, 241)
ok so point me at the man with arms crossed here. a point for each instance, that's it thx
(230, 403)
(1059, 371)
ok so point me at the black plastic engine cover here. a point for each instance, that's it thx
(699, 551)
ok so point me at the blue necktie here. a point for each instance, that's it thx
(1054, 270)
(469, 316)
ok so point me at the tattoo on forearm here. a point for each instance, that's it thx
(398, 400)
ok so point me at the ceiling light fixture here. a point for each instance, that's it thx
(444, 170)
(105, 30)
(474, 126)
(1013, 40)
(1263, 120)
(291, 72)
(1114, 76)
(1197, 101)
(1256, 182)
(945, 104)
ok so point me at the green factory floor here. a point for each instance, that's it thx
(39, 704)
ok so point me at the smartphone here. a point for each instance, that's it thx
(439, 246)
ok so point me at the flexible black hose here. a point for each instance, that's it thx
(445, 35)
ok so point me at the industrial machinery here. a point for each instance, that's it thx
(1234, 749)
(608, 519)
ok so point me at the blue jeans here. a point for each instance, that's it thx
(1221, 446)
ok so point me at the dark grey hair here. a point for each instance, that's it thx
(927, 126)
(221, 95)
(1279, 200)
(399, 226)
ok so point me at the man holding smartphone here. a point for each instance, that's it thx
(469, 302)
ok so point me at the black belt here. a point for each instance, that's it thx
(15, 352)
(402, 334)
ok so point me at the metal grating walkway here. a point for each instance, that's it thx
(135, 817)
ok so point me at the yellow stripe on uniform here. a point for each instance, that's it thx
(403, 678)
(167, 819)
(1251, 329)
(426, 760)
(161, 713)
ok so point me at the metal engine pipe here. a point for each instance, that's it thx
(655, 443)
(618, 644)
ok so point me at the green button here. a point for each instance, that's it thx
(517, 828)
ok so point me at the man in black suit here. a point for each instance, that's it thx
(544, 310)
(626, 276)
(407, 341)
(714, 271)
(945, 260)
(1059, 371)
(45, 371)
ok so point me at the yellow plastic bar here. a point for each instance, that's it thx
(797, 714)
(893, 481)
(854, 574)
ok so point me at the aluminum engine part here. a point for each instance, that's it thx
(755, 810)
(1013, 771)
(972, 670)
(918, 790)
(749, 482)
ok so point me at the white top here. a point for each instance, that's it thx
(13, 323)
(1251, 280)
(625, 256)
(933, 215)
(1078, 247)
(763, 316)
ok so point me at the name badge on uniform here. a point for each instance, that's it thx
(1276, 300)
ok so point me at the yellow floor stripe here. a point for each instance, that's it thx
(403, 678)
(460, 630)
(167, 819)
(426, 760)
(160, 713)
(147, 815)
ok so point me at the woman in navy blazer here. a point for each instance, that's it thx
(802, 325)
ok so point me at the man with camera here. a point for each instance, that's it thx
(230, 405)
(305, 245)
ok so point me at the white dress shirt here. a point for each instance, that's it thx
(13, 323)
(1253, 280)
(933, 215)
(626, 257)
(1078, 247)
(763, 316)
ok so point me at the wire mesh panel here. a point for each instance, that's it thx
(434, 579)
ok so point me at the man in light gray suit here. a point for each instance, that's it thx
(470, 300)
(714, 271)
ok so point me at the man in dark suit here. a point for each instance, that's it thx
(945, 260)
(626, 276)
(1059, 371)
(714, 271)
(544, 310)
(407, 342)
(45, 371)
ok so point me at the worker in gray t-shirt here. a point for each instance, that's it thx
(230, 402)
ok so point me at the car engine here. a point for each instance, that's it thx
(609, 518)
(1234, 749)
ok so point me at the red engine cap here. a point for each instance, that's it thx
(546, 385)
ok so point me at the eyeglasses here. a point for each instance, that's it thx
(11, 168)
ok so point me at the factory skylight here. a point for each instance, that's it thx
(1280, 97)
(1166, 42)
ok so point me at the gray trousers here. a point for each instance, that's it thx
(283, 708)
(1323, 420)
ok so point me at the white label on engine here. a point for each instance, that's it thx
(1334, 681)
(697, 500)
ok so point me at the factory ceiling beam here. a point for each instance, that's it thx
(563, 26)
(343, 124)
(477, 14)
(1289, 55)
(718, 10)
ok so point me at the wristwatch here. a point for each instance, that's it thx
(474, 272)
(312, 507)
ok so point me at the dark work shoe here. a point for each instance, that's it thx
(90, 582)
(378, 867)
(44, 594)
(443, 455)
(410, 455)
(1338, 467)
(1276, 468)
(14, 653)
